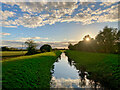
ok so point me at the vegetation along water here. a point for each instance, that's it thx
(101, 67)
(28, 71)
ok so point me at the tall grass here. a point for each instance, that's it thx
(28, 71)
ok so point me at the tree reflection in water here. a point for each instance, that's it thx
(69, 61)
(68, 74)
(84, 82)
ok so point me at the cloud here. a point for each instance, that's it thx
(92, 6)
(23, 39)
(43, 13)
(89, 16)
(54, 44)
(35, 38)
(105, 4)
(11, 26)
(5, 34)
(6, 14)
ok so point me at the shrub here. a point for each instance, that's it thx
(46, 48)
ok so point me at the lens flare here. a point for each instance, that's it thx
(87, 39)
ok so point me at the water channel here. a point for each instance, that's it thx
(65, 75)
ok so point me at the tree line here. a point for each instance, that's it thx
(31, 48)
(106, 41)
(5, 48)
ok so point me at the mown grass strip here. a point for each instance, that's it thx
(28, 71)
(11, 54)
(103, 68)
(30, 56)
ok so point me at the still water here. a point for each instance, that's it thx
(65, 75)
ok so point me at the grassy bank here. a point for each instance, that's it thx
(11, 54)
(101, 67)
(28, 71)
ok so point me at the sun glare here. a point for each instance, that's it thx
(87, 39)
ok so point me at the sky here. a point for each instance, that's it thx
(54, 23)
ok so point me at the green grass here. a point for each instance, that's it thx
(102, 67)
(11, 54)
(28, 71)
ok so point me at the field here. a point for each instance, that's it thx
(102, 68)
(11, 54)
(28, 71)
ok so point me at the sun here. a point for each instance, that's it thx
(87, 39)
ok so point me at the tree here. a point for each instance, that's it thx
(118, 35)
(88, 44)
(118, 42)
(5, 48)
(45, 48)
(70, 46)
(87, 38)
(31, 47)
(106, 40)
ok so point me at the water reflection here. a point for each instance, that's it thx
(65, 75)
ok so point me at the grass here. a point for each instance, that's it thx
(102, 67)
(28, 71)
(11, 54)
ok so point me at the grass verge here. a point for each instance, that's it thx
(28, 71)
(103, 68)
(11, 54)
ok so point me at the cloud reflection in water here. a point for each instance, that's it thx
(65, 75)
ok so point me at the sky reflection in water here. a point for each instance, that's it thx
(65, 75)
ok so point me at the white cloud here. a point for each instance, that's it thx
(105, 4)
(92, 6)
(34, 38)
(60, 12)
(105, 15)
(11, 26)
(5, 34)
(6, 14)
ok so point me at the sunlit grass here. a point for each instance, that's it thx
(29, 71)
(11, 53)
(31, 56)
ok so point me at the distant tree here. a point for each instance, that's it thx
(31, 47)
(106, 39)
(71, 47)
(5, 48)
(13, 49)
(55, 49)
(45, 48)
